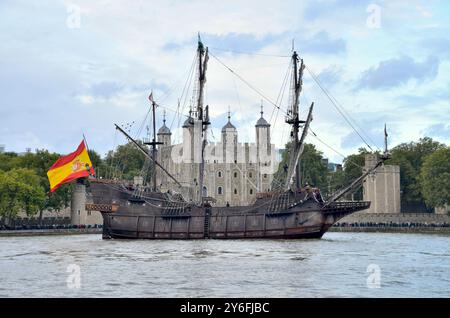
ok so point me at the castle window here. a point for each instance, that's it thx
(219, 174)
(251, 191)
(250, 175)
(265, 176)
(235, 174)
(235, 191)
(219, 190)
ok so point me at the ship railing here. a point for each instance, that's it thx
(347, 205)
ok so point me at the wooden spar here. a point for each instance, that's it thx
(204, 118)
(355, 183)
(147, 155)
(295, 120)
(359, 180)
(293, 164)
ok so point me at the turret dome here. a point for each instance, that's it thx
(164, 130)
(228, 125)
(261, 121)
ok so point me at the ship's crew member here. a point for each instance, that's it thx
(318, 195)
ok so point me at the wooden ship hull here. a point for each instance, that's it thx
(285, 216)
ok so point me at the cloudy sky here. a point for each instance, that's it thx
(74, 67)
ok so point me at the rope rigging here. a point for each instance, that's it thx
(246, 82)
(338, 108)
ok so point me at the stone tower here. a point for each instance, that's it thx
(230, 168)
(263, 155)
(164, 135)
(78, 213)
(78, 203)
(164, 152)
(382, 187)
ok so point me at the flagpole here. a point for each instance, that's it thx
(85, 142)
(87, 148)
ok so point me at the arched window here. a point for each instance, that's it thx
(219, 190)
(235, 191)
(265, 176)
(251, 191)
(235, 174)
(250, 174)
(219, 174)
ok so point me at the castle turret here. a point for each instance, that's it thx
(164, 134)
(263, 132)
(78, 204)
(263, 153)
(229, 141)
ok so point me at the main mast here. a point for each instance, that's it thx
(202, 114)
(294, 119)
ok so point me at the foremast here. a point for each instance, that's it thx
(202, 113)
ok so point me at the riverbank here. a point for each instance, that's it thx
(8, 233)
(391, 229)
(361, 229)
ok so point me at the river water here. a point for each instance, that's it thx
(338, 265)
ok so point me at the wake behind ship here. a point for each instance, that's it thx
(133, 211)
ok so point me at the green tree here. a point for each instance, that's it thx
(20, 190)
(100, 166)
(8, 161)
(40, 162)
(435, 178)
(312, 169)
(126, 162)
(352, 169)
(410, 157)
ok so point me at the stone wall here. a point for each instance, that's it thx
(382, 188)
(429, 218)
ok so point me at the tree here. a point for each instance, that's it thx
(8, 161)
(410, 157)
(126, 162)
(312, 169)
(20, 190)
(40, 162)
(353, 165)
(435, 178)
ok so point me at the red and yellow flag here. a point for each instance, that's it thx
(73, 166)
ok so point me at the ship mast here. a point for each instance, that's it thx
(153, 142)
(202, 116)
(293, 118)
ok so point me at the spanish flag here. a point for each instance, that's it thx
(73, 166)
